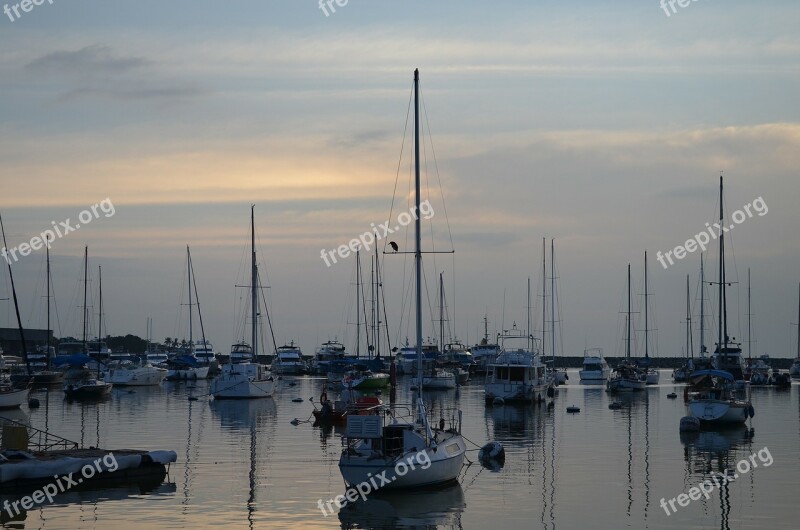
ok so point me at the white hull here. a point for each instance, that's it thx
(443, 467)
(439, 382)
(13, 399)
(145, 376)
(794, 371)
(716, 411)
(626, 385)
(515, 392)
(653, 377)
(288, 369)
(201, 372)
(242, 381)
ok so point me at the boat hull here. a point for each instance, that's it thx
(714, 411)
(510, 392)
(13, 399)
(596, 376)
(189, 374)
(87, 392)
(135, 377)
(443, 468)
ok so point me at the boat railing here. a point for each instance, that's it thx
(40, 440)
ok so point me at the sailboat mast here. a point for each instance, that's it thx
(47, 351)
(646, 330)
(702, 308)
(358, 303)
(441, 311)
(749, 328)
(85, 288)
(253, 283)
(688, 321)
(189, 269)
(372, 305)
(553, 302)
(628, 323)
(798, 321)
(544, 290)
(418, 233)
(528, 324)
(377, 306)
(99, 316)
(722, 323)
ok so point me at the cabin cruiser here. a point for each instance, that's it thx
(719, 398)
(327, 352)
(595, 368)
(517, 376)
(289, 360)
(761, 372)
(241, 352)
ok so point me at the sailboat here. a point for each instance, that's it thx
(560, 377)
(644, 364)
(246, 379)
(681, 373)
(11, 397)
(485, 352)
(87, 387)
(187, 366)
(722, 392)
(759, 372)
(437, 378)
(627, 377)
(794, 371)
(376, 445)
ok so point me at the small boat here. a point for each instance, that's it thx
(439, 379)
(781, 379)
(87, 389)
(338, 411)
(12, 398)
(720, 399)
(573, 409)
(761, 372)
(245, 379)
(362, 379)
(595, 368)
(186, 368)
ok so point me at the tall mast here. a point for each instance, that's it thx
(253, 283)
(628, 323)
(377, 305)
(702, 308)
(722, 323)
(372, 305)
(47, 351)
(689, 351)
(85, 284)
(646, 330)
(486, 327)
(528, 325)
(544, 290)
(798, 321)
(749, 328)
(553, 302)
(99, 316)
(358, 303)
(418, 233)
(189, 269)
(441, 312)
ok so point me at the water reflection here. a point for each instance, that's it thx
(431, 508)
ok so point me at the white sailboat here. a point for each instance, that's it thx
(721, 396)
(246, 380)
(375, 445)
(651, 373)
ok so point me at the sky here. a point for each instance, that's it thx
(602, 125)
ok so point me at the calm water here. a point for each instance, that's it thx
(244, 465)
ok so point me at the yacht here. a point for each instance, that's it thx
(761, 372)
(289, 360)
(241, 352)
(204, 352)
(439, 379)
(156, 358)
(517, 374)
(407, 357)
(327, 352)
(241, 378)
(595, 368)
(186, 367)
(11, 397)
(130, 373)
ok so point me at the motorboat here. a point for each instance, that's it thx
(719, 398)
(289, 360)
(595, 368)
(130, 373)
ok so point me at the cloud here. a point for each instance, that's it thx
(90, 60)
